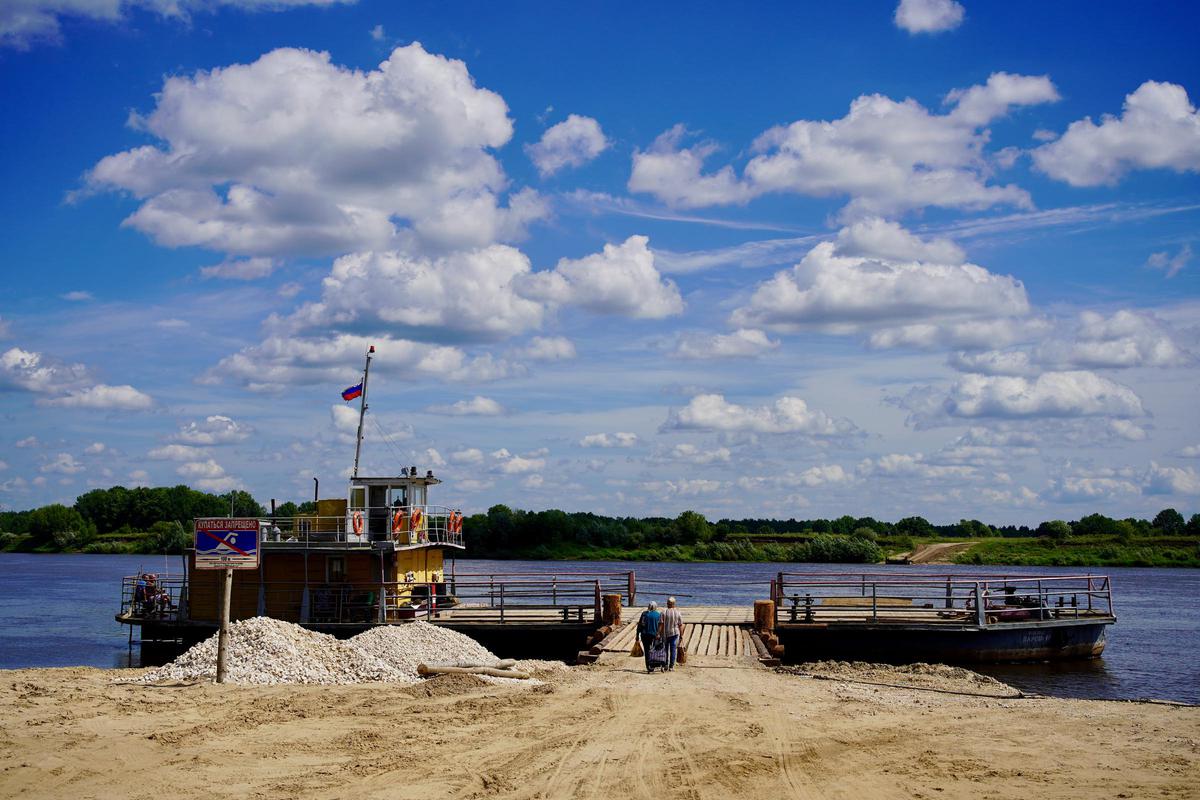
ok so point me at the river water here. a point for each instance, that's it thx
(57, 610)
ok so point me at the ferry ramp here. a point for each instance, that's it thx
(716, 632)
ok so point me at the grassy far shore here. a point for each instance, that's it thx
(1094, 551)
(158, 520)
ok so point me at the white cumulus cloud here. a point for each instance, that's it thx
(673, 174)
(519, 465)
(888, 156)
(621, 280)
(695, 454)
(843, 294)
(477, 406)
(712, 412)
(619, 439)
(176, 452)
(467, 293)
(875, 237)
(213, 429)
(34, 372)
(1052, 394)
(549, 348)
(63, 464)
(1171, 480)
(571, 143)
(1159, 128)
(1123, 339)
(912, 465)
(103, 396)
(295, 155)
(683, 487)
(928, 16)
(470, 455)
(201, 469)
(742, 343)
(282, 361)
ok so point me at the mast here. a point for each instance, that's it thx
(362, 410)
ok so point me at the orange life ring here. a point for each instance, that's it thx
(398, 520)
(417, 519)
(356, 519)
(456, 521)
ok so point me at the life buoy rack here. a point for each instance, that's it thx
(456, 522)
(356, 521)
(398, 520)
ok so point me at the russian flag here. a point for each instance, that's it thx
(352, 392)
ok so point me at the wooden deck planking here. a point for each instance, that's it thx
(714, 631)
(716, 640)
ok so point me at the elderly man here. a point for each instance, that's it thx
(673, 631)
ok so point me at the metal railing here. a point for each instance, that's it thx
(495, 600)
(977, 600)
(621, 583)
(154, 596)
(404, 526)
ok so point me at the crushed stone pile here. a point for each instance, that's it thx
(270, 651)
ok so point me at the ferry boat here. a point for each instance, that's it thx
(383, 554)
(376, 555)
(902, 616)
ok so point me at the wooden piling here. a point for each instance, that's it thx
(764, 615)
(611, 613)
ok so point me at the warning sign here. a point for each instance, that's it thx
(223, 543)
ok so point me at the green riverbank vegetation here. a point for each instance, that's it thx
(158, 520)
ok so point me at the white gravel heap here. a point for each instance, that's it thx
(270, 651)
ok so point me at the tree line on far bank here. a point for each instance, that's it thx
(504, 532)
(124, 520)
(158, 519)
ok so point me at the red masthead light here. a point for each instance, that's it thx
(372, 350)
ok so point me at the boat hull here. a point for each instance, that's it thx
(900, 644)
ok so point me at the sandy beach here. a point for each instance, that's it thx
(714, 729)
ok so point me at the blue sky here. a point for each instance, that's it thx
(934, 258)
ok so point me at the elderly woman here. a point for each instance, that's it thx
(672, 623)
(649, 628)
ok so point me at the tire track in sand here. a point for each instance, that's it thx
(797, 785)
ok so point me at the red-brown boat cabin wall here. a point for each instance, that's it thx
(281, 580)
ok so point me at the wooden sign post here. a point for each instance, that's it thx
(228, 544)
(223, 636)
